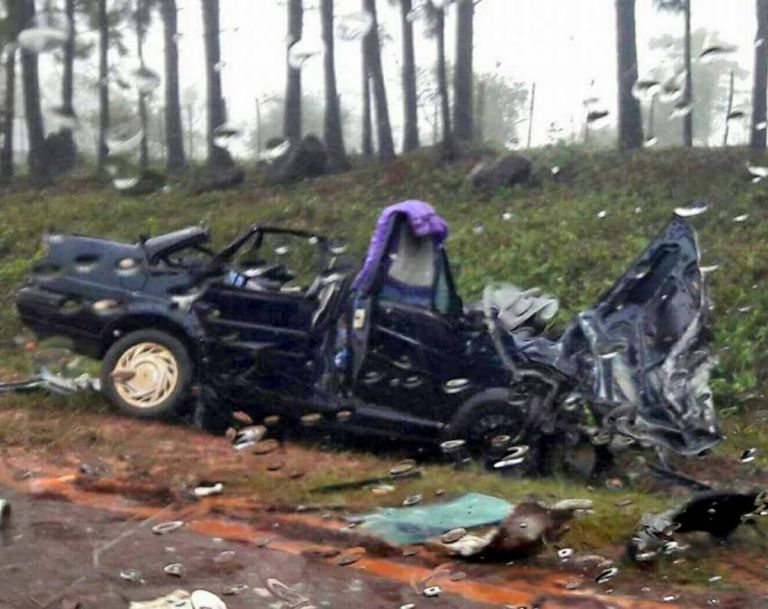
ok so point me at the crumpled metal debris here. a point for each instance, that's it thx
(517, 308)
(45, 380)
(528, 527)
(644, 349)
(718, 513)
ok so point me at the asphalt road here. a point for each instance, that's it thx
(57, 554)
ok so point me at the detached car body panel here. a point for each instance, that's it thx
(278, 322)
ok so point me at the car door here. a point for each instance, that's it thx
(259, 324)
(414, 342)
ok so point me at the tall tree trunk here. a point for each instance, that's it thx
(410, 100)
(462, 78)
(143, 116)
(13, 25)
(334, 140)
(757, 139)
(531, 109)
(630, 116)
(292, 113)
(103, 26)
(367, 129)
(174, 137)
(34, 115)
(479, 135)
(373, 56)
(688, 95)
(448, 151)
(216, 111)
(728, 110)
(191, 132)
(67, 81)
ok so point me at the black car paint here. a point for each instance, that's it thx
(414, 372)
(262, 347)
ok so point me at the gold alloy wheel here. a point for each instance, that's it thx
(155, 375)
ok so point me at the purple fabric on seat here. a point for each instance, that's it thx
(423, 220)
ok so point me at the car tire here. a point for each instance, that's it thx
(162, 370)
(485, 415)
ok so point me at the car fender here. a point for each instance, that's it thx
(183, 325)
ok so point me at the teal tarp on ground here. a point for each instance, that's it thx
(409, 525)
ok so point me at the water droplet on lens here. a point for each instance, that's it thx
(451, 446)
(680, 110)
(131, 575)
(412, 499)
(694, 210)
(748, 455)
(147, 80)
(354, 26)
(175, 569)
(313, 418)
(224, 134)
(453, 535)
(606, 575)
(202, 599)
(715, 51)
(401, 468)
(646, 89)
(456, 385)
(432, 591)
(303, 50)
(757, 172)
(597, 117)
(167, 527)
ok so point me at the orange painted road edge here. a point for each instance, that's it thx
(517, 592)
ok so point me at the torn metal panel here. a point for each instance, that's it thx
(643, 348)
(718, 513)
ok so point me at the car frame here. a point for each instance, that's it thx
(174, 322)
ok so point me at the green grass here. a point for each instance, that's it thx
(554, 240)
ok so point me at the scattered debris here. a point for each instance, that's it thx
(524, 531)
(718, 513)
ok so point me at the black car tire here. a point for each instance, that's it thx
(486, 414)
(160, 351)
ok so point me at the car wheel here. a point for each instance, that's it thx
(490, 423)
(147, 374)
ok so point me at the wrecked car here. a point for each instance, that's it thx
(279, 324)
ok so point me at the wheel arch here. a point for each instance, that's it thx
(466, 410)
(148, 320)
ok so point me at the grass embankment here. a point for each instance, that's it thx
(554, 238)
